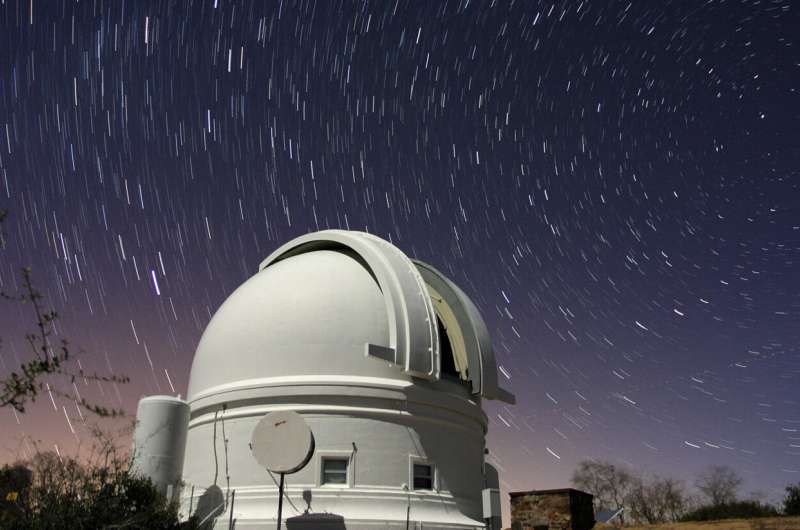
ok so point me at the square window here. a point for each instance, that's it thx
(423, 477)
(334, 471)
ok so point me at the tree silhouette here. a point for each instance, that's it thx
(791, 503)
(610, 484)
(656, 499)
(719, 484)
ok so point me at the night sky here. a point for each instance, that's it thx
(615, 184)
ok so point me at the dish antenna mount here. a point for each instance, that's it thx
(283, 443)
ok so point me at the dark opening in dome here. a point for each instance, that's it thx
(448, 365)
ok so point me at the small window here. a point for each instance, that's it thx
(423, 477)
(334, 471)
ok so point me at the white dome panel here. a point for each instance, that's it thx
(310, 314)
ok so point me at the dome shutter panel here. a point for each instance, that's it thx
(475, 337)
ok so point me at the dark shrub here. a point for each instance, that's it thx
(50, 492)
(732, 510)
(791, 504)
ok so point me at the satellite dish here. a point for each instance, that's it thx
(282, 442)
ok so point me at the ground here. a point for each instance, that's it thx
(766, 523)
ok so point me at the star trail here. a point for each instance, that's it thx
(615, 183)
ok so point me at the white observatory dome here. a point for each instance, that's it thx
(385, 359)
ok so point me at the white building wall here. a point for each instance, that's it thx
(381, 434)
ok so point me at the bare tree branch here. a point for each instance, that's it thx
(23, 385)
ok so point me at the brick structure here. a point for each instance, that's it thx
(561, 509)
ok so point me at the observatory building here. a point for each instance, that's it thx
(386, 360)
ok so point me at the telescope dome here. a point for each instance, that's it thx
(384, 357)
